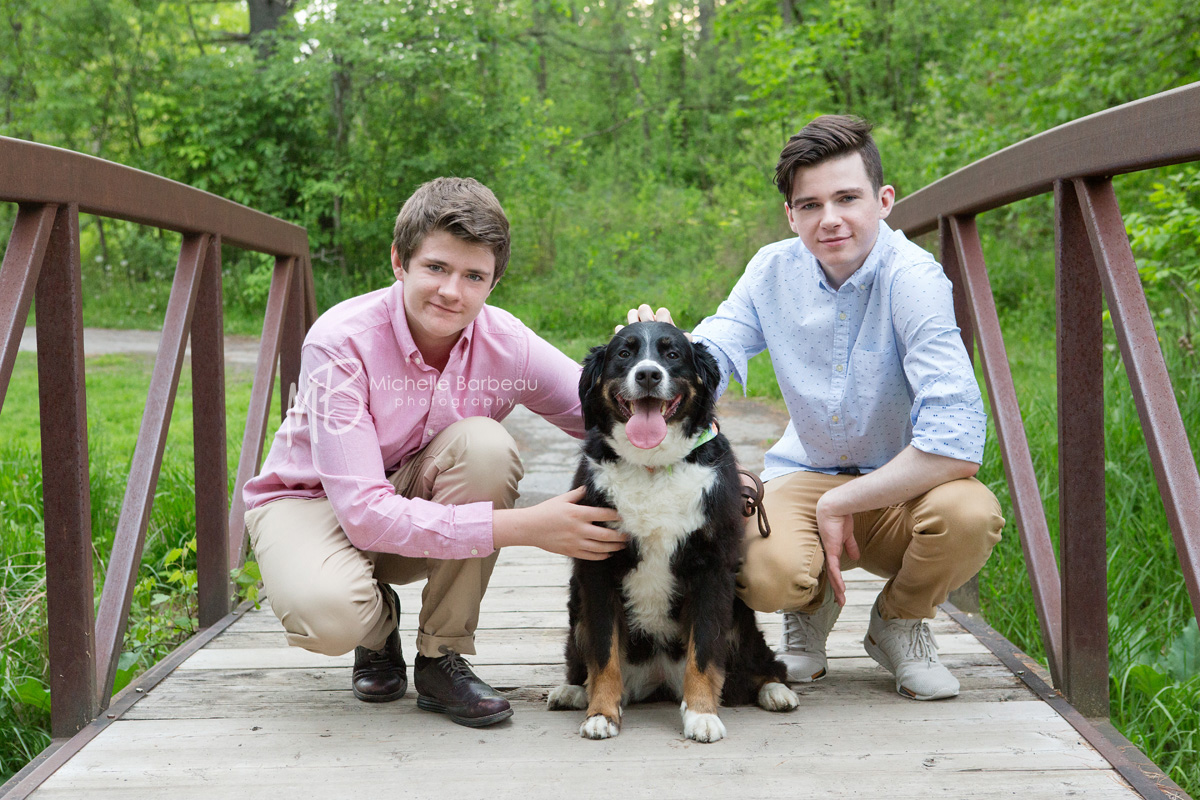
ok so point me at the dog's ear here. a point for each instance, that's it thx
(706, 366)
(589, 382)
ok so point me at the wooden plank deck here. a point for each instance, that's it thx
(249, 717)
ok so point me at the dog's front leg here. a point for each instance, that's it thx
(702, 680)
(604, 688)
(599, 639)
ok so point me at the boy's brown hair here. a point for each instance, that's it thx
(825, 138)
(464, 208)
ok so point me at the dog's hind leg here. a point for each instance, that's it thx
(754, 673)
(572, 694)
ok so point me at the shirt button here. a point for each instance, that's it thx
(474, 552)
(426, 552)
(842, 315)
(844, 458)
(835, 417)
(838, 368)
(429, 431)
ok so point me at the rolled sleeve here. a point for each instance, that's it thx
(948, 421)
(347, 460)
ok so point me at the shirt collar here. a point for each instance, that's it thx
(408, 348)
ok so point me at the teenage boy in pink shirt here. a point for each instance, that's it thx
(392, 465)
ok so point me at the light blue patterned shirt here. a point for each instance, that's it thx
(865, 369)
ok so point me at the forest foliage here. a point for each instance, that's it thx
(628, 139)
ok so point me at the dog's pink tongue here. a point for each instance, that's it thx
(647, 427)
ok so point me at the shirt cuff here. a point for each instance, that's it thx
(955, 432)
(469, 534)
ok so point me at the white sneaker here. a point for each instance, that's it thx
(906, 648)
(802, 645)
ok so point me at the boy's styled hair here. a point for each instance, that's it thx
(825, 138)
(464, 208)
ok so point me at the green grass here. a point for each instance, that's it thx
(163, 612)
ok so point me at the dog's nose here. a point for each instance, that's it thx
(648, 377)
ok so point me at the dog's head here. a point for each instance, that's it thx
(648, 379)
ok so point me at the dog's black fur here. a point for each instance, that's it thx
(707, 635)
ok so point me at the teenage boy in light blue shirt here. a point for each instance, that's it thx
(876, 466)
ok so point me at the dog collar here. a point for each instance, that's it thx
(705, 436)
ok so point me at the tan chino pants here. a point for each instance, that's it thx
(326, 591)
(926, 547)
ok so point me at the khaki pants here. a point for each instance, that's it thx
(926, 548)
(326, 591)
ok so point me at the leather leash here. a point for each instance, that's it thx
(753, 495)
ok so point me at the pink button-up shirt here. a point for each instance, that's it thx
(367, 403)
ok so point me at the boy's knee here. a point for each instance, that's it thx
(968, 510)
(486, 457)
(328, 623)
(768, 583)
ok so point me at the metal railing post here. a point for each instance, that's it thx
(66, 491)
(1081, 527)
(214, 592)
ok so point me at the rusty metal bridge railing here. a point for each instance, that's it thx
(42, 266)
(1093, 260)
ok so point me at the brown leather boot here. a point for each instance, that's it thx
(447, 685)
(381, 675)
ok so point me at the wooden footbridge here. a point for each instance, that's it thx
(235, 712)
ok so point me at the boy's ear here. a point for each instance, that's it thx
(397, 267)
(589, 381)
(706, 366)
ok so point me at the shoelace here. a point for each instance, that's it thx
(921, 644)
(797, 629)
(456, 665)
(379, 657)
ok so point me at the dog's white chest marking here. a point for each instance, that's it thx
(658, 509)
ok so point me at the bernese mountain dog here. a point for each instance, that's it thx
(661, 618)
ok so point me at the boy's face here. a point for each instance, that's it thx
(836, 214)
(445, 286)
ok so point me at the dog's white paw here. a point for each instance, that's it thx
(568, 696)
(702, 727)
(775, 696)
(599, 726)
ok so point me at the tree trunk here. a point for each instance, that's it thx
(265, 16)
(792, 15)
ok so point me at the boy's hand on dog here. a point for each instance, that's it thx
(560, 525)
(644, 313)
(837, 535)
